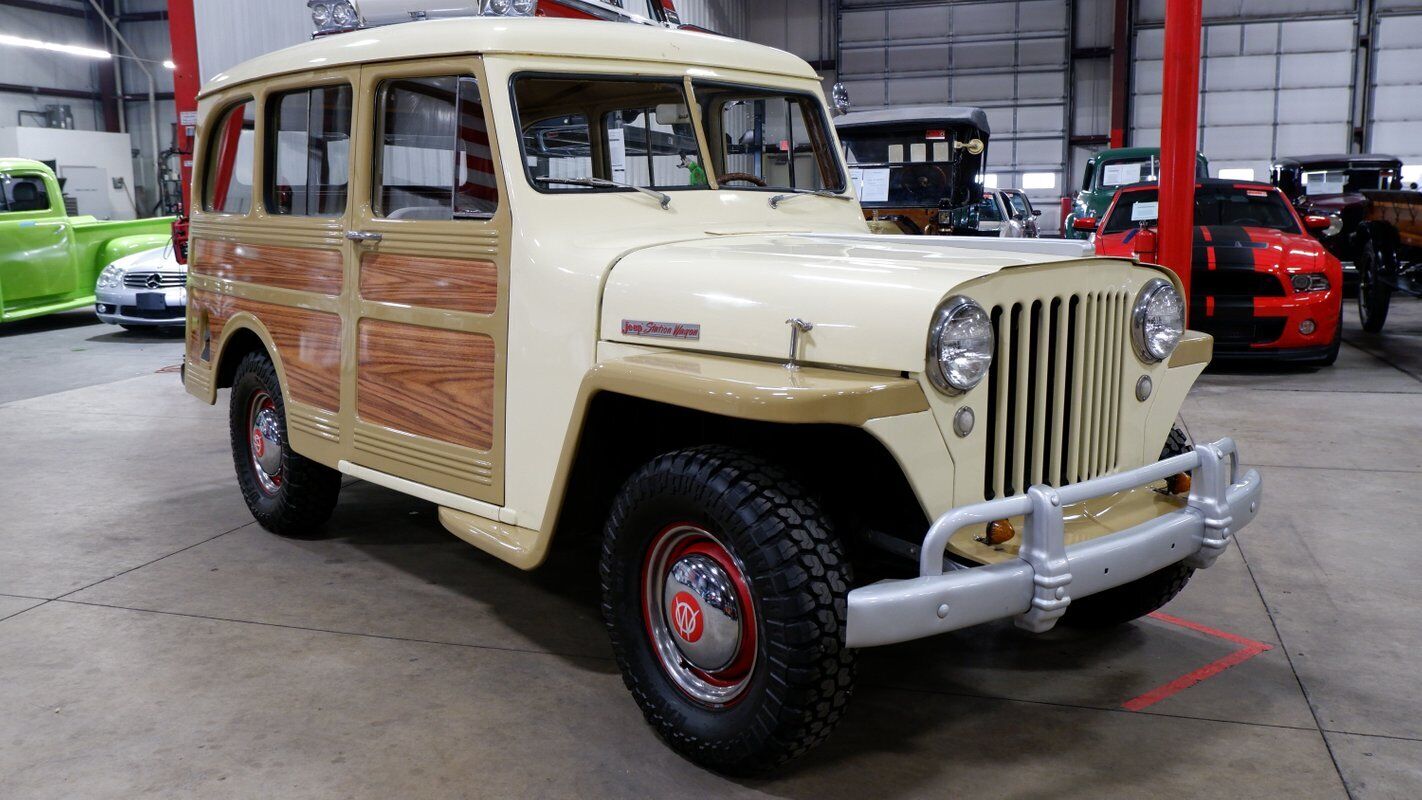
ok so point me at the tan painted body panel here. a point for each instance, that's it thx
(466, 353)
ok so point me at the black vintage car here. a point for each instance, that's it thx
(1332, 185)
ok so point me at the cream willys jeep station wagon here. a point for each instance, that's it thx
(567, 278)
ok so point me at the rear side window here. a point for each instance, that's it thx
(434, 161)
(308, 152)
(229, 161)
(22, 193)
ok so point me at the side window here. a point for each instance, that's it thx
(23, 193)
(560, 147)
(308, 152)
(228, 186)
(434, 161)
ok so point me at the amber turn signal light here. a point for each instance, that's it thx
(1179, 483)
(998, 532)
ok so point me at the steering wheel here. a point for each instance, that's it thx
(742, 176)
(925, 182)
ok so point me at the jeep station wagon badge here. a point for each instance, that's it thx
(661, 330)
(482, 346)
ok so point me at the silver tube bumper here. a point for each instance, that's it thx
(1036, 587)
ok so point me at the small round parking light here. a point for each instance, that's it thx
(1307, 327)
(998, 532)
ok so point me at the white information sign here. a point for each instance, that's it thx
(1145, 212)
(617, 153)
(873, 186)
(1121, 174)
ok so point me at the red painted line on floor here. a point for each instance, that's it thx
(1249, 649)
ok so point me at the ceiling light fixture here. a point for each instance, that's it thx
(70, 49)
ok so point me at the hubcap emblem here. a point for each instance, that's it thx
(686, 616)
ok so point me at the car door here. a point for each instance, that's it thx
(431, 260)
(36, 243)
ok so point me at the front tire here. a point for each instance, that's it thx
(1142, 596)
(287, 493)
(1373, 297)
(725, 594)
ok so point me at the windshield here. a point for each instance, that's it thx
(620, 129)
(638, 131)
(901, 168)
(1020, 206)
(1347, 181)
(22, 193)
(768, 139)
(1214, 205)
(1127, 171)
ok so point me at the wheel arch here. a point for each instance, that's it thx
(244, 333)
(619, 426)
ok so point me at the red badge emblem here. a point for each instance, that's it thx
(686, 617)
(259, 445)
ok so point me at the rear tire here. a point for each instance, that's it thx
(1142, 596)
(287, 493)
(755, 672)
(1373, 297)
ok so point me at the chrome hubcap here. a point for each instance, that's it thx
(264, 442)
(699, 614)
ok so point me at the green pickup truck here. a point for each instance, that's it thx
(50, 261)
(1106, 172)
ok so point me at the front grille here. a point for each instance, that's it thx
(165, 280)
(1054, 391)
(1234, 283)
(1236, 335)
(135, 312)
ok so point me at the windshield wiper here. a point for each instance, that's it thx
(602, 183)
(794, 193)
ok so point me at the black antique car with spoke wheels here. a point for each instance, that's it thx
(1389, 253)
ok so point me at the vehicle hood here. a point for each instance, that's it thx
(159, 259)
(1235, 247)
(869, 298)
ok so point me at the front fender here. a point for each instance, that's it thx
(122, 246)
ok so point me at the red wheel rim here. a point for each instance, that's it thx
(699, 614)
(264, 444)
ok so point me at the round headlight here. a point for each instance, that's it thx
(1157, 321)
(524, 8)
(343, 14)
(320, 14)
(500, 7)
(960, 345)
(110, 277)
(1335, 224)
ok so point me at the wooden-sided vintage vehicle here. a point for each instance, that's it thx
(914, 166)
(547, 276)
(50, 261)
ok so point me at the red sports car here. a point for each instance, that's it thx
(1260, 284)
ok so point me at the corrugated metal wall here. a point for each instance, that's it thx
(1395, 107)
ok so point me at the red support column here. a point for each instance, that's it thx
(1179, 117)
(1120, 72)
(187, 80)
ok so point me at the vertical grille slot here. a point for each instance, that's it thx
(1054, 391)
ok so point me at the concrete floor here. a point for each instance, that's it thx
(155, 642)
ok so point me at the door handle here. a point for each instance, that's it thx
(364, 236)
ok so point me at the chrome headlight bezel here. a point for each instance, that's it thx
(1335, 224)
(951, 310)
(111, 276)
(1144, 345)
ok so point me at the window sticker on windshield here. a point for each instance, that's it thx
(1121, 174)
(874, 186)
(1145, 212)
(918, 152)
(941, 152)
(1256, 193)
(617, 153)
(896, 154)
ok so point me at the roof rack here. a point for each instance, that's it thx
(343, 16)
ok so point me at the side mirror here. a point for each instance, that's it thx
(1317, 223)
(1083, 224)
(1036, 212)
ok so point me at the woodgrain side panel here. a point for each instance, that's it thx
(447, 283)
(302, 269)
(429, 382)
(308, 343)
